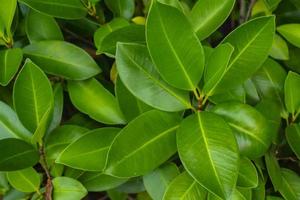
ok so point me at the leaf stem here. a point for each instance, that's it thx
(49, 186)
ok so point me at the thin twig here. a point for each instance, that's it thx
(49, 186)
(252, 2)
(242, 11)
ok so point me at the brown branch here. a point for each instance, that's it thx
(252, 2)
(49, 186)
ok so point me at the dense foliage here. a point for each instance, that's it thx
(141, 99)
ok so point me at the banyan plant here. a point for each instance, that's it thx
(141, 99)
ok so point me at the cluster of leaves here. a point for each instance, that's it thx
(193, 100)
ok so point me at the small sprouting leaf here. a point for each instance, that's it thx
(291, 93)
(65, 188)
(291, 33)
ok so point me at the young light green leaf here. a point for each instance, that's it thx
(249, 126)
(290, 185)
(65, 188)
(185, 53)
(293, 138)
(248, 177)
(184, 187)
(207, 15)
(92, 98)
(62, 59)
(250, 52)
(66, 9)
(201, 137)
(291, 32)
(291, 93)
(26, 180)
(49, 29)
(16, 155)
(32, 95)
(121, 8)
(158, 180)
(10, 61)
(134, 66)
(279, 50)
(89, 152)
(153, 134)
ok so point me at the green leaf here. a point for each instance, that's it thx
(26, 180)
(10, 125)
(49, 29)
(273, 169)
(153, 134)
(237, 94)
(291, 33)
(185, 53)
(62, 59)
(92, 98)
(157, 181)
(274, 198)
(66, 9)
(208, 15)
(4, 186)
(290, 185)
(201, 137)
(32, 95)
(291, 93)
(65, 188)
(121, 8)
(250, 52)
(7, 13)
(272, 4)
(216, 66)
(10, 61)
(98, 182)
(259, 191)
(249, 126)
(293, 138)
(134, 66)
(57, 106)
(17, 154)
(89, 152)
(248, 177)
(279, 50)
(184, 187)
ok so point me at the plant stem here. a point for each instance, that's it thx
(49, 186)
(252, 2)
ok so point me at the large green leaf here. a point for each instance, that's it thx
(290, 185)
(182, 63)
(32, 95)
(153, 134)
(26, 180)
(207, 15)
(10, 125)
(279, 50)
(158, 180)
(92, 98)
(134, 66)
(291, 32)
(293, 138)
(7, 13)
(66, 9)
(17, 154)
(121, 8)
(252, 42)
(89, 152)
(62, 59)
(249, 126)
(184, 187)
(10, 61)
(210, 159)
(65, 188)
(248, 177)
(291, 93)
(49, 29)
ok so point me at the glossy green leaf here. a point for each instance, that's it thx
(26, 180)
(273, 170)
(272, 4)
(259, 192)
(10, 61)
(97, 182)
(57, 106)
(184, 187)
(291, 93)
(49, 29)
(10, 125)
(66, 9)
(67, 189)
(62, 59)
(201, 138)
(293, 138)
(235, 195)
(121, 8)
(89, 152)
(158, 180)
(134, 185)
(151, 88)
(248, 177)
(279, 50)
(102, 106)
(184, 53)
(294, 62)
(237, 94)
(7, 13)
(291, 33)
(290, 185)
(17, 154)
(249, 126)
(250, 51)
(32, 95)
(208, 15)
(157, 143)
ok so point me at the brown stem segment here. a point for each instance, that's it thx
(49, 186)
